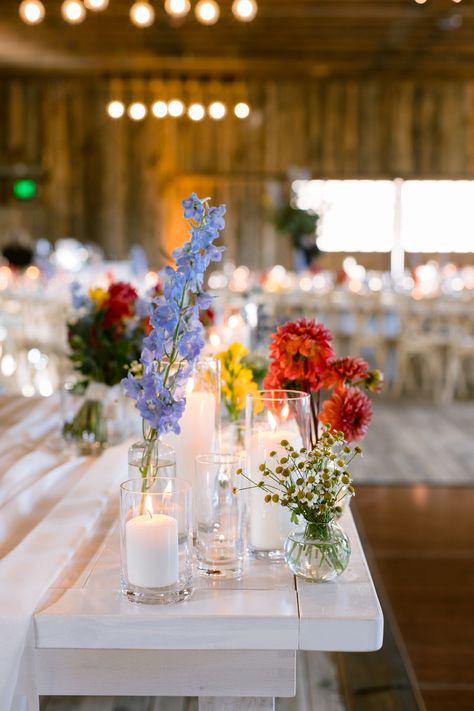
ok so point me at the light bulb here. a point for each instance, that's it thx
(142, 14)
(217, 110)
(73, 11)
(96, 5)
(32, 11)
(242, 110)
(420, 2)
(176, 108)
(207, 12)
(196, 112)
(159, 109)
(115, 109)
(245, 10)
(177, 8)
(137, 111)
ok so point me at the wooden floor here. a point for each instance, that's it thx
(422, 542)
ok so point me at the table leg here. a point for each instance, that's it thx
(236, 703)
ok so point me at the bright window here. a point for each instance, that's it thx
(376, 215)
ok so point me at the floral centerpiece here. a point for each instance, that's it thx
(236, 379)
(312, 484)
(157, 381)
(104, 338)
(302, 358)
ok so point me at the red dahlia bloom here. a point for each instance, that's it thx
(300, 351)
(348, 410)
(342, 370)
(122, 296)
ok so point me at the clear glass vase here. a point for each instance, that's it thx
(93, 416)
(319, 553)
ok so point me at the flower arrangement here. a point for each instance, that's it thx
(236, 379)
(103, 339)
(312, 484)
(157, 382)
(302, 358)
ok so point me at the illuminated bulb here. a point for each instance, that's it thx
(96, 5)
(32, 11)
(420, 2)
(196, 112)
(73, 11)
(159, 109)
(137, 111)
(245, 10)
(115, 109)
(142, 14)
(32, 272)
(207, 12)
(217, 110)
(242, 110)
(177, 8)
(176, 108)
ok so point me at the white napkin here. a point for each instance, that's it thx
(29, 570)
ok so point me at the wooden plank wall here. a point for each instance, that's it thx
(120, 182)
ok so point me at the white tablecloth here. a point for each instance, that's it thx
(49, 505)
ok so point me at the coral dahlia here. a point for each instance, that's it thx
(348, 410)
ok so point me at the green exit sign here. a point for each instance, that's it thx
(25, 189)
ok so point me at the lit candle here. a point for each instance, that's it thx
(269, 523)
(151, 543)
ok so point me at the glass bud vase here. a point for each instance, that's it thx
(319, 553)
(93, 416)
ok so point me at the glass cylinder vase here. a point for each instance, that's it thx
(156, 540)
(151, 459)
(319, 553)
(93, 416)
(272, 416)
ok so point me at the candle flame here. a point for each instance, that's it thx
(272, 421)
(189, 386)
(215, 339)
(168, 489)
(285, 411)
(148, 505)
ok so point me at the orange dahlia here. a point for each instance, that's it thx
(344, 370)
(348, 410)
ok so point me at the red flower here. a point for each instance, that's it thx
(348, 410)
(300, 351)
(342, 370)
(274, 379)
(119, 306)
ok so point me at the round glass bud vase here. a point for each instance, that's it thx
(93, 416)
(319, 553)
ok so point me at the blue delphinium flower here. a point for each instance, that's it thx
(78, 298)
(170, 351)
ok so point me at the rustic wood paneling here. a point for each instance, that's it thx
(120, 182)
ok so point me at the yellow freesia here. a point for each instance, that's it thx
(236, 379)
(99, 296)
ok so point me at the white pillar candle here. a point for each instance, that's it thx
(198, 432)
(151, 543)
(269, 523)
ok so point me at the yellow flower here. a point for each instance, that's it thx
(236, 379)
(98, 296)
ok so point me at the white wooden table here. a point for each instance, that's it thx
(233, 644)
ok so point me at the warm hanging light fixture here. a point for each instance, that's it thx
(115, 109)
(245, 10)
(242, 110)
(196, 112)
(96, 5)
(73, 11)
(207, 12)
(177, 8)
(137, 111)
(159, 109)
(142, 14)
(32, 11)
(217, 110)
(175, 108)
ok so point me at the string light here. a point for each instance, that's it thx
(245, 10)
(142, 14)
(73, 11)
(159, 109)
(177, 8)
(175, 108)
(420, 2)
(217, 110)
(242, 110)
(32, 11)
(196, 112)
(207, 12)
(96, 5)
(115, 109)
(137, 111)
